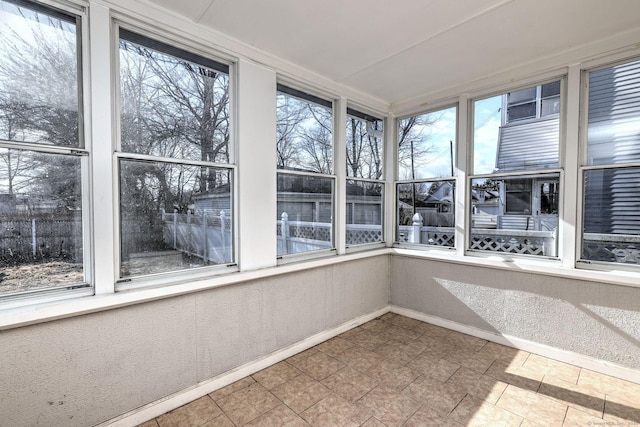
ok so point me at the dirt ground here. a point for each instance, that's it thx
(39, 276)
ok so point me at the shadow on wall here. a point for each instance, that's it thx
(593, 319)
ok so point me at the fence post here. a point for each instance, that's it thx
(416, 228)
(33, 236)
(188, 244)
(223, 219)
(175, 229)
(284, 231)
(549, 244)
(204, 236)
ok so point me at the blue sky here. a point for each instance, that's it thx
(486, 126)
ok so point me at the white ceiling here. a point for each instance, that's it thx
(400, 50)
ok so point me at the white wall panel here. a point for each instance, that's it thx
(598, 320)
(88, 369)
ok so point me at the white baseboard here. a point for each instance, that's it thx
(572, 358)
(159, 407)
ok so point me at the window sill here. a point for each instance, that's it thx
(547, 267)
(80, 305)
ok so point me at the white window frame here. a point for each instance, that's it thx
(454, 179)
(583, 168)
(354, 111)
(311, 95)
(175, 276)
(85, 152)
(541, 173)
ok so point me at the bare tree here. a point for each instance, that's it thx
(364, 148)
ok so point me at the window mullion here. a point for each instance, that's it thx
(101, 133)
(339, 170)
(570, 158)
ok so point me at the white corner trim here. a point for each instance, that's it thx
(166, 404)
(565, 356)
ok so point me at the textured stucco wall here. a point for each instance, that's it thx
(594, 319)
(87, 369)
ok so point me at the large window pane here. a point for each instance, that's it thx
(304, 213)
(364, 212)
(41, 199)
(41, 244)
(501, 144)
(173, 217)
(172, 106)
(426, 212)
(426, 145)
(364, 146)
(614, 115)
(515, 214)
(612, 194)
(39, 99)
(611, 220)
(305, 200)
(304, 133)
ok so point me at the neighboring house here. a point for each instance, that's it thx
(305, 206)
(527, 140)
(611, 195)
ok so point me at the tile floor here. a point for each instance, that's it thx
(397, 371)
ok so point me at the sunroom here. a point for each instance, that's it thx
(319, 213)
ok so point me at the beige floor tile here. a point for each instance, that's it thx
(465, 342)
(429, 330)
(392, 374)
(334, 411)
(623, 410)
(573, 395)
(279, 416)
(195, 413)
(502, 352)
(359, 359)
(474, 412)
(389, 316)
(150, 423)
(376, 325)
(351, 333)
(427, 417)
(436, 347)
(540, 409)
(389, 406)
(334, 346)
(319, 365)
(608, 385)
(439, 369)
(301, 393)
(247, 404)
(403, 335)
(373, 422)
(350, 384)
(471, 359)
(394, 351)
(577, 418)
(302, 355)
(554, 368)
(441, 398)
(276, 374)
(232, 388)
(416, 347)
(405, 322)
(370, 340)
(478, 385)
(366, 382)
(221, 421)
(518, 376)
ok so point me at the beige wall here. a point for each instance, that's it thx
(598, 320)
(87, 369)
